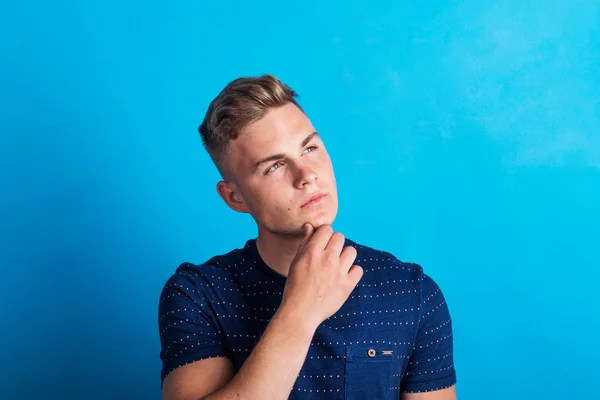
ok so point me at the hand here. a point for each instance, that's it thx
(321, 276)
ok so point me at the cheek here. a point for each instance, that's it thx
(324, 158)
(273, 201)
(325, 166)
(279, 203)
(255, 200)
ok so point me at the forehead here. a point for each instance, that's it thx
(280, 130)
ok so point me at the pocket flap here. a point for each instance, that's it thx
(372, 351)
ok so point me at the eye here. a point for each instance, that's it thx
(311, 148)
(273, 167)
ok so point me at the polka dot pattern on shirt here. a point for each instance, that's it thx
(395, 325)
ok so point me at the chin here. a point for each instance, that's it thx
(321, 219)
(294, 226)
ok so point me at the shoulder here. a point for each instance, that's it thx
(193, 279)
(387, 264)
(384, 262)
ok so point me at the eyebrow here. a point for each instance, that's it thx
(280, 156)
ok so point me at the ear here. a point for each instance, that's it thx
(230, 193)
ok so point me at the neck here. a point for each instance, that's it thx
(277, 251)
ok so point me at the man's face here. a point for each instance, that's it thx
(279, 164)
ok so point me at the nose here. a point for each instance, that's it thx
(306, 176)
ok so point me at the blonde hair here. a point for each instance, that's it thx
(243, 101)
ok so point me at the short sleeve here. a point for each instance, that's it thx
(188, 331)
(431, 364)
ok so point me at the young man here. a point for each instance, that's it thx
(301, 311)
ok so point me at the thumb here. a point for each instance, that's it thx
(307, 230)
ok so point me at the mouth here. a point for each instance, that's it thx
(313, 200)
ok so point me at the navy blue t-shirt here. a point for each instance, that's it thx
(392, 335)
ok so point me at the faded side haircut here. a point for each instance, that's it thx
(243, 101)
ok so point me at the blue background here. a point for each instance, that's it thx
(465, 137)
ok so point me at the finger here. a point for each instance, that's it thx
(321, 236)
(336, 243)
(355, 274)
(347, 257)
(307, 230)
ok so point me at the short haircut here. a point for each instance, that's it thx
(243, 101)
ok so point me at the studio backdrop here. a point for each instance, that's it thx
(465, 137)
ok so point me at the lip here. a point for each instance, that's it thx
(314, 199)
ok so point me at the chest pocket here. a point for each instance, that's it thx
(369, 372)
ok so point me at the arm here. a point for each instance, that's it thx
(320, 280)
(269, 372)
(194, 380)
(443, 394)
